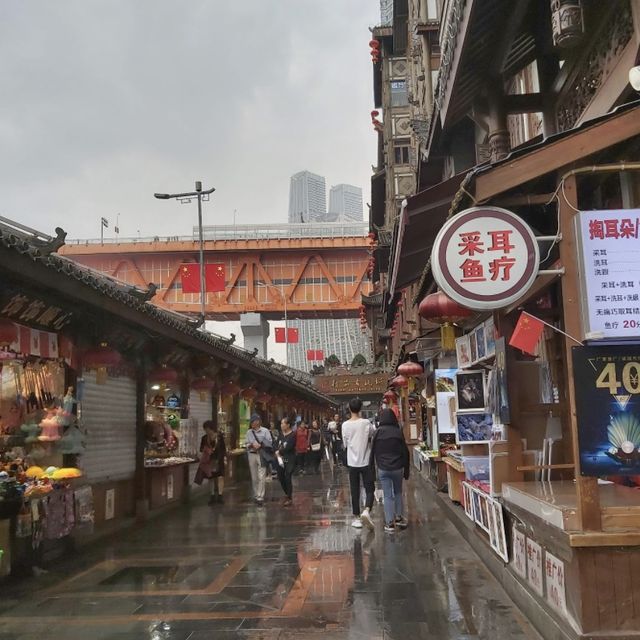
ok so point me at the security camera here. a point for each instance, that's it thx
(634, 77)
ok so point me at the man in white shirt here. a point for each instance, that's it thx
(357, 433)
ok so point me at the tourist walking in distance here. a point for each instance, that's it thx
(357, 433)
(287, 454)
(260, 451)
(335, 430)
(213, 453)
(302, 447)
(316, 446)
(391, 455)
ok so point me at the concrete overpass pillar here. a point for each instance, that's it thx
(255, 330)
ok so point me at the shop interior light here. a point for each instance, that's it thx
(155, 387)
(634, 77)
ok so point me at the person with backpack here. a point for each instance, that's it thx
(357, 433)
(260, 452)
(391, 456)
(316, 446)
(212, 459)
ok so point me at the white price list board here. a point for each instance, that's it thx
(609, 242)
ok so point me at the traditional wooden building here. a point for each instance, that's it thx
(534, 118)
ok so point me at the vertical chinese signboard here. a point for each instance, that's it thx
(610, 254)
(607, 385)
(485, 258)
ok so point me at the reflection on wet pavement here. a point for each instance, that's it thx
(240, 571)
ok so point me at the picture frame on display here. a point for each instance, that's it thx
(481, 347)
(474, 428)
(471, 392)
(463, 351)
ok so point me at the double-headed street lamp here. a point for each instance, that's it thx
(185, 198)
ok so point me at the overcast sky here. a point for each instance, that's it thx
(105, 102)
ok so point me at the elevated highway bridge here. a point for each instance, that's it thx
(309, 270)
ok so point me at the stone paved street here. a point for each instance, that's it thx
(240, 571)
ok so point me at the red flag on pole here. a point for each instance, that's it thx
(311, 355)
(292, 335)
(213, 277)
(320, 355)
(527, 333)
(190, 277)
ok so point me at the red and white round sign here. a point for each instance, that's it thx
(485, 258)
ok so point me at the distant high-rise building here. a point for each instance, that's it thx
(308, 203)
(307, 198)
(345, 201)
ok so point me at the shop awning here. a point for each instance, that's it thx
(425, 214)
(378, 198)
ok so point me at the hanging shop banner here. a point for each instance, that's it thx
(607, 385)
(610, 254)
(485, 258)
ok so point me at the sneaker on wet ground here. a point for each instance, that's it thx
(401, 522)
(390, 527)
(366, 519)
(357, 523)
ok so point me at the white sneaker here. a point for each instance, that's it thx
(366, 518)
(357, 523)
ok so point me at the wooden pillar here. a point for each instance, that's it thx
(499, 140)
(589, 514)
(234, 422)
(142, 502)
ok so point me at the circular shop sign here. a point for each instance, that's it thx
(485, 258)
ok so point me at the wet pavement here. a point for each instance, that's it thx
(241, 571)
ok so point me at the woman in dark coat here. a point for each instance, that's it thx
(287, 453)
(212, 460)
(391, 455)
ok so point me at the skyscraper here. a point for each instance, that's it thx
(308, 203)
(345, 202)
(307, 198)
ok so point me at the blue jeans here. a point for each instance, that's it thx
(391, 482)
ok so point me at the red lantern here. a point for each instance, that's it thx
(399, 382)
(410, 369)
(8, 332)
(249, 393)
(101, 357)
(442, 310)
(203, 384)
(374, 44)
(229, 388)
(389, 396)
(164, 375)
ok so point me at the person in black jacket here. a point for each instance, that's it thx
(391, 456)
(287, 453)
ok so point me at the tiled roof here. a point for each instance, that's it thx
(34, 248)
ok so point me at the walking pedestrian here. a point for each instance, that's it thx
(260, 451)
(391, 456)
(335, 428)
(212, 459)
(357, 433)
(302, 447)
(287, 454)
(316, 446)
(274, 430)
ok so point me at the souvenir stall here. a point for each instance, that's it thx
(167, 464)
(542, 391)
(42, 497)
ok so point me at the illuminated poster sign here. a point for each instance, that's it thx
(607, 385)
(610, 253)
(485, 258)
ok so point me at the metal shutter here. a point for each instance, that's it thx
(201, 410)
(109, 417)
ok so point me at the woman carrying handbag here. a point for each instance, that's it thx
(213, 455)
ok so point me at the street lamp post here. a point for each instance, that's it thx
(185, 198)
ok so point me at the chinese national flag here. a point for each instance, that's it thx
(320, 355)
(214, 277)
(527, 333)
(292, 336)
(190, 277)
(311, 355)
